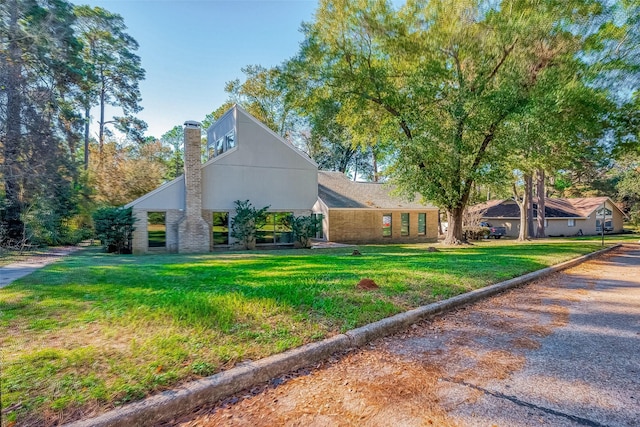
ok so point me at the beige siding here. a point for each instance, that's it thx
(262, 169)
(168, 196)
(560, 226)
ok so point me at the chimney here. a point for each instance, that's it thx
(193, 230)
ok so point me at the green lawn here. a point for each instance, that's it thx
(98, 330)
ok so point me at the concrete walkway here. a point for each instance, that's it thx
(12, 272)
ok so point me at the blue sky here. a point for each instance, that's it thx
(191, 48)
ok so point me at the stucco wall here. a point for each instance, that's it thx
(262, 169)
(365, 226)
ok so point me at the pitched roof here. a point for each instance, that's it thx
(554, 207)
(338, 191)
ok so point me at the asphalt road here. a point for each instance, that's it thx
(562, 351)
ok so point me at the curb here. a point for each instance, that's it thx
(173, 403)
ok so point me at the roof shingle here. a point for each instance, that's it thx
(338, 191)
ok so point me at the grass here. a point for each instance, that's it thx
(98, 330)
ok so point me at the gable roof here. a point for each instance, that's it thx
(554, 207)
(337, 191)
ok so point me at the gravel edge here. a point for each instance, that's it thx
(173, 403)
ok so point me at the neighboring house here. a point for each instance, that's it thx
(248, 161)
(365, 212)
(563, 217)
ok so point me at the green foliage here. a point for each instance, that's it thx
(476, 233)
(112, 70)
(175, 139)
(246, 222)
(451, 85)
(114, 228)
(304, 228)
(40, 66)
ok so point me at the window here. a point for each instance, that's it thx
(220, 228)
(219, 146)
(276, 230)
(606, 212)
(422, 224)
(318, 233)
(404, 224)
(283, 231)
(157, 229)
(571, 222)
(534, 210)
(386, 225)
(230, 140)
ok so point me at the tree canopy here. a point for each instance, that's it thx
(450, 83)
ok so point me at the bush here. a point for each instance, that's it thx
(114, 228)
(475, 233)
(246, 223)
(304, 228)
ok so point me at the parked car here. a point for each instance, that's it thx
(495, 232)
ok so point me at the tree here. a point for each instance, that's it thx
(444, 78)
(174, 138)
(39, 65)
(114, 227)
(112, 73)
(246, 222)
(127, 172)
(262, 96)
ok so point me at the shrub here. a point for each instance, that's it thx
(114, 228)
(304, 228)
(246, 223)
(475, 233)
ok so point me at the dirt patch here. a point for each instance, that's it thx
(367, 285)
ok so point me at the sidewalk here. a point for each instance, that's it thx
(12, 272)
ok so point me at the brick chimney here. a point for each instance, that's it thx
(194, 234)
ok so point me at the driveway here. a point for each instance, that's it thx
(563, 351)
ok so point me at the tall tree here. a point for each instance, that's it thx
(445, 78)
(113, 72)
(39, 64)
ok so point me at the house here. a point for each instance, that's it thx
(366, 212)
(248, 161)
(563, 217)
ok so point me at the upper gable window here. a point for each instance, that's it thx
(230, 140)
(221, 137)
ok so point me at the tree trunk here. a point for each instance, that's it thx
(529, 189)
(375, 168)
(540, 190)
(101, 133)
(11, 175)
(524, 229)
(454, 231)
(87, 113)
